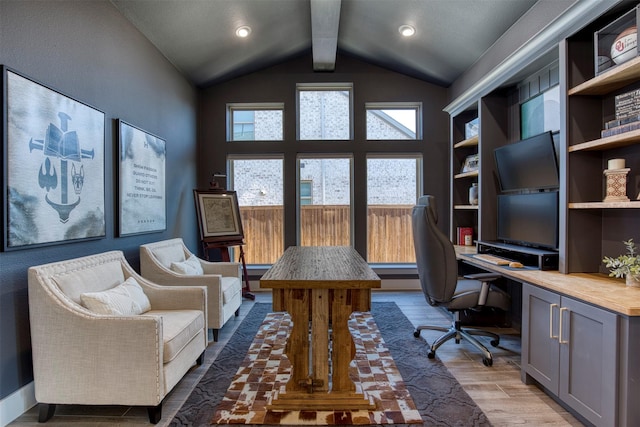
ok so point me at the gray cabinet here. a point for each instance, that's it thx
(570, 348)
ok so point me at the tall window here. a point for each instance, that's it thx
(259, 185)
(392, 190)
(325, 218)
(324, 112)
(394, 120)
(255, 122)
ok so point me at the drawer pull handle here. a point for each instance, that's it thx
(553, 337)
(561, 341)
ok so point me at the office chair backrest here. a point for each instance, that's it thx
(435, 255)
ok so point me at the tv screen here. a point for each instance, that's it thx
(530, 164)
(529, 219)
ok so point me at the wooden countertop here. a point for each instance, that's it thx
(311, 267)
(597, 289)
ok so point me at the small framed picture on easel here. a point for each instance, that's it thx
(218, 215)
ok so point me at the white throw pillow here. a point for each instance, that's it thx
(126, 299)
(191, 266)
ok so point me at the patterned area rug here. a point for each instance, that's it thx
(266, 370)
(438, 397)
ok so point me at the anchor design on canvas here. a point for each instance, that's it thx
(61, 144)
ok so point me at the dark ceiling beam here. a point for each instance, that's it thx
(325, 20)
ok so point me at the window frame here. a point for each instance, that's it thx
(327, 87)
(314, 156)
(419, 159)
(417, 106)
(252, 106)
(231, 184)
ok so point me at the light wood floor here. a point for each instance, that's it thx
(505, 400)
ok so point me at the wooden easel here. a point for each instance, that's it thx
(224, 253)
(222, 243)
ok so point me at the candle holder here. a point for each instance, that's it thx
(616, 185)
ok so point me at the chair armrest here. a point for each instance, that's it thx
(486, 279)
(163, 297)
(226, 269)
(483, 277)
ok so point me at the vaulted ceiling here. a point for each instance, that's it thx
(199, 36)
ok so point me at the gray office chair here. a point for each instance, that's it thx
(438, 273)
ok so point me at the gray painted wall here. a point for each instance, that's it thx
(532, 22)
(90, 52)
(370, 84)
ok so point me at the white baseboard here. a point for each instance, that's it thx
(387, 285)
(17, 403)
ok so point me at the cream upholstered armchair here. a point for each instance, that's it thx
(169, 262)
(103, 335)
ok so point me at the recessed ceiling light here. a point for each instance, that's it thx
(407, 30)
(243, 31)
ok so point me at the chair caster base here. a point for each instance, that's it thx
(487, 362)
(416, 333)
(494, 343)
(431, 355)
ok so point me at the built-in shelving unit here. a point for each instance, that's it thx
(492, 112)
(589, 227)
(593, 228)
(463, 214)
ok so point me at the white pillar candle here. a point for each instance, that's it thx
(616, 164)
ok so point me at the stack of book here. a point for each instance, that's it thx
(465, 236)
(627, 107)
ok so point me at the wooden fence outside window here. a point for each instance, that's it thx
(389, 231)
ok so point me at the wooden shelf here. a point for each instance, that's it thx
(607, 82)
(466, 207)
(470, 142)
(608, 205)
(466, 175)
(614, 141)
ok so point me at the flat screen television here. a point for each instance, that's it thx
(529, 219)
(530, 164)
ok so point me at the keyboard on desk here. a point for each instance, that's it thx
(492, 259)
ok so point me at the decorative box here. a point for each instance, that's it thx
(616, 43)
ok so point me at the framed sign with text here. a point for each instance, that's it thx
(142, 201)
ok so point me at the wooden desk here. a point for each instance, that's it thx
(320, 287)
(598, 289)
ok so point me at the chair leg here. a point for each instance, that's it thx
(45, 411)
(487, 359)
(451, 333)
(457, 333)
(215, 334)
(494, 342)
(200, 359)
(155, 413)
(237, 313)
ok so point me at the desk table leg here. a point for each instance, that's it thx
(297, 348)
(320, 339)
